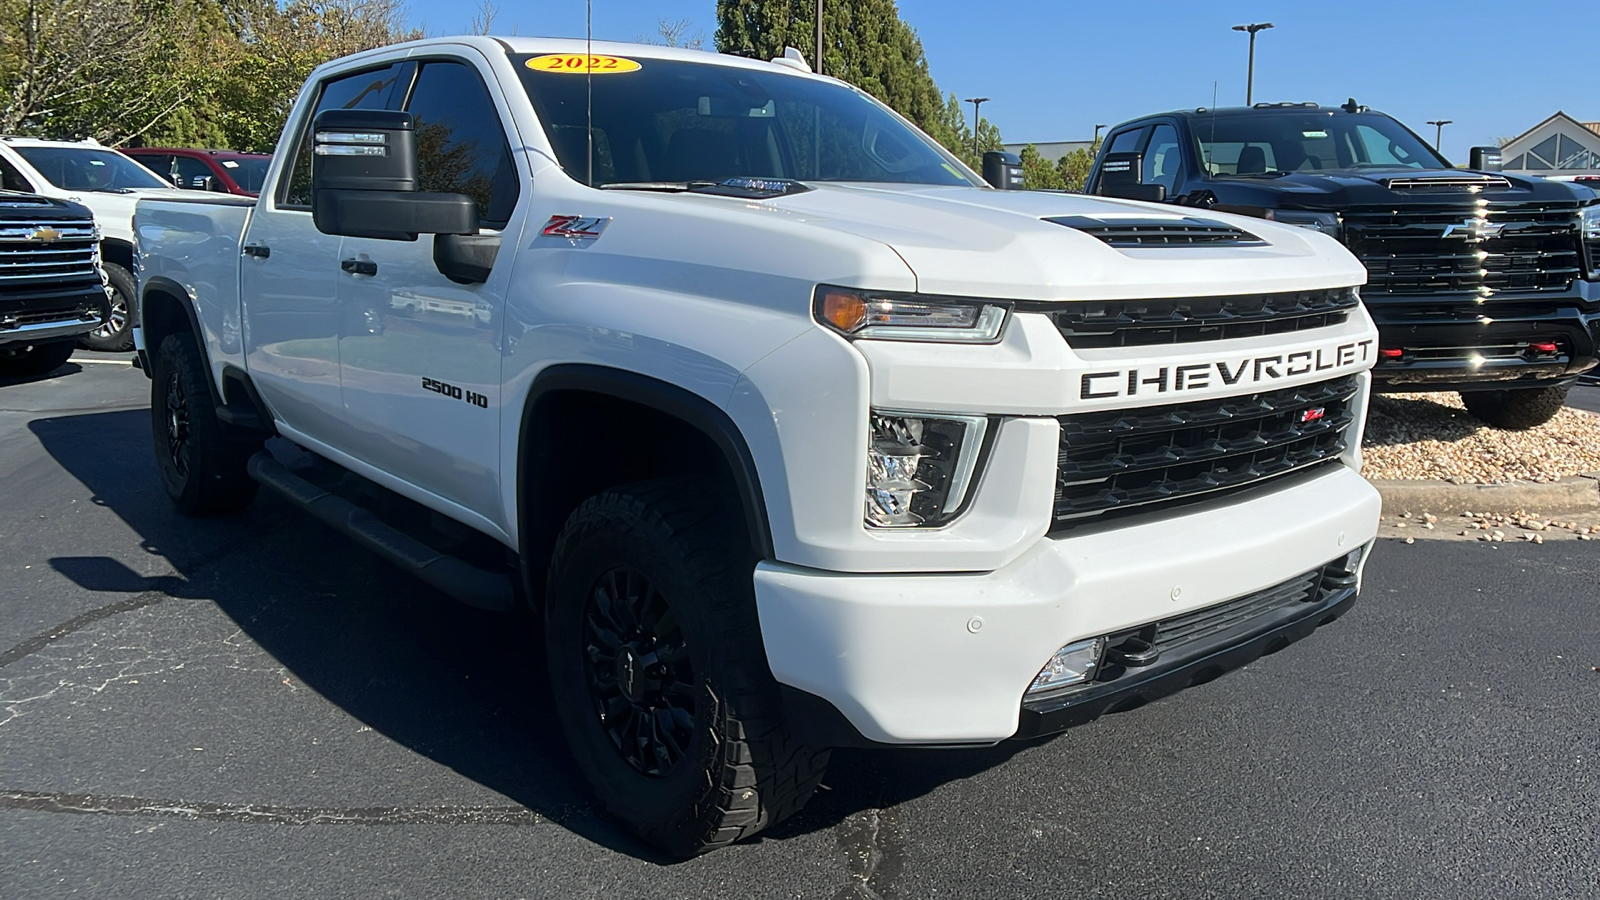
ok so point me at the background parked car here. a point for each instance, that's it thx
(223, 171)
(109, 184)
(51, 291)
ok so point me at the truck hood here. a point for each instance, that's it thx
(1343, 188)
(1003, 244)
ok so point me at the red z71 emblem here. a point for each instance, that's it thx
(1311, 415)
(577, 227)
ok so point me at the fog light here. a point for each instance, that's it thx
(1073, 664)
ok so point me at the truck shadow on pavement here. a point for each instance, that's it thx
(461, 687)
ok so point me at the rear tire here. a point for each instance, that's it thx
(27, 361)
(659, 672)
(1518, 409)
(202, 465)
(116, 334)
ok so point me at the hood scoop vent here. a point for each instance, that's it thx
(1472, 183)
(1164, 232)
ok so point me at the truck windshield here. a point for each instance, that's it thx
(671, 121)
(249, 172)
(88, 168)
(1266, 143)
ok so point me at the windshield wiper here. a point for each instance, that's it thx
(109, 190)
(666, 186)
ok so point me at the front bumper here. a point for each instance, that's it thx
(39, 317)
(945, 659)
(1463, 345)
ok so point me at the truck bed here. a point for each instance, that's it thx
(190, 248)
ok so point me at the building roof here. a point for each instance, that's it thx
(1558, 114)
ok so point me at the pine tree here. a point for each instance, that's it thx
(866, 43)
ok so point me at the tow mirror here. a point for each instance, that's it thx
(1003, 170)
(1485, 159)
(364, 180)
(1120, 176)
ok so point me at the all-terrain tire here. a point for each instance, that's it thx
(1516, 410)
(202, 464)
(116, 335)
(19, 361)
(739, 770)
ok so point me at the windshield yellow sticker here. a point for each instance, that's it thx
(582, 64)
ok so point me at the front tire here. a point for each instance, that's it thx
(29, 361)
(202, 465)
(1516, 410)
(659, 672)
(115, 335)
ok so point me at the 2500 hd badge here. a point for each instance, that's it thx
(1197, 376)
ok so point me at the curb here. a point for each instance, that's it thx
(1573, 494)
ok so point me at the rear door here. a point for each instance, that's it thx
(289, 271)
(420, 361)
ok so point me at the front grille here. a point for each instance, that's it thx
(1139, 460)
(1162, 232)
(1490, 249)
(47, 253)
(1136, 323)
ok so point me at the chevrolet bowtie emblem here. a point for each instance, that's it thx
(44, 234)
(1474, 229)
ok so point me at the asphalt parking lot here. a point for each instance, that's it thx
(252, 707)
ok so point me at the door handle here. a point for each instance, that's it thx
(359, 266)
(259, 251)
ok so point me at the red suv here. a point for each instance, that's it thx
(223, 171)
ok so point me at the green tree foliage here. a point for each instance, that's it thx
(866, 43)
(217, 73)
(1069, 173)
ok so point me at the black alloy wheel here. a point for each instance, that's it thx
(641, 679)
(177, 432)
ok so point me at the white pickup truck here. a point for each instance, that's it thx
(795, 433)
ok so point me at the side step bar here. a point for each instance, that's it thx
(467, 583)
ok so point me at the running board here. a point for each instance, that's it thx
(461, 580)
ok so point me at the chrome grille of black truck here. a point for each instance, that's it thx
(1475, 251)
(1091, 324)
(47, 253)
(1139, 460)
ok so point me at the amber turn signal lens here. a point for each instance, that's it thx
(844, 311)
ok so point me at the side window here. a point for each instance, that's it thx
(192, 173)
(372, 89)
(11, 179)
(1124, 141)
(1162, 158)
(461, 143)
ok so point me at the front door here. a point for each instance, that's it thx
(420, 354)
(289, 279)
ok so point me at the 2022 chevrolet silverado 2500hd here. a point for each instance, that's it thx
(109, 184)
(798, 434)
(51, 286)
(1479, 281)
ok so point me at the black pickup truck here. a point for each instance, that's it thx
(51, 288)
(1480, 282)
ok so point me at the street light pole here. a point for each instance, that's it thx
(818, 68)
(976, 103)
(1250, 78)
(1096, 141)
(1438, 130)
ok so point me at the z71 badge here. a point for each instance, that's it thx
(579, 228)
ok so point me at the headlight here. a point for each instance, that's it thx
(919, 468)
(1591, 237)
(1325, 222)
(908, 317)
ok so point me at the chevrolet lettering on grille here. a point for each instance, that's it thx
(1222, 373)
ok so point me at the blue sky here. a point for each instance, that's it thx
(1055, 68)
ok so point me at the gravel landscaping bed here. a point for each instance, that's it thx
(1433, 436)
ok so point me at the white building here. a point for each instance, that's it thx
(1559, 147)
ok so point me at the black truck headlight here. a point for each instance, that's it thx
(891, 316)
(920, 468)
(1325, 222)
(1591, 237)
